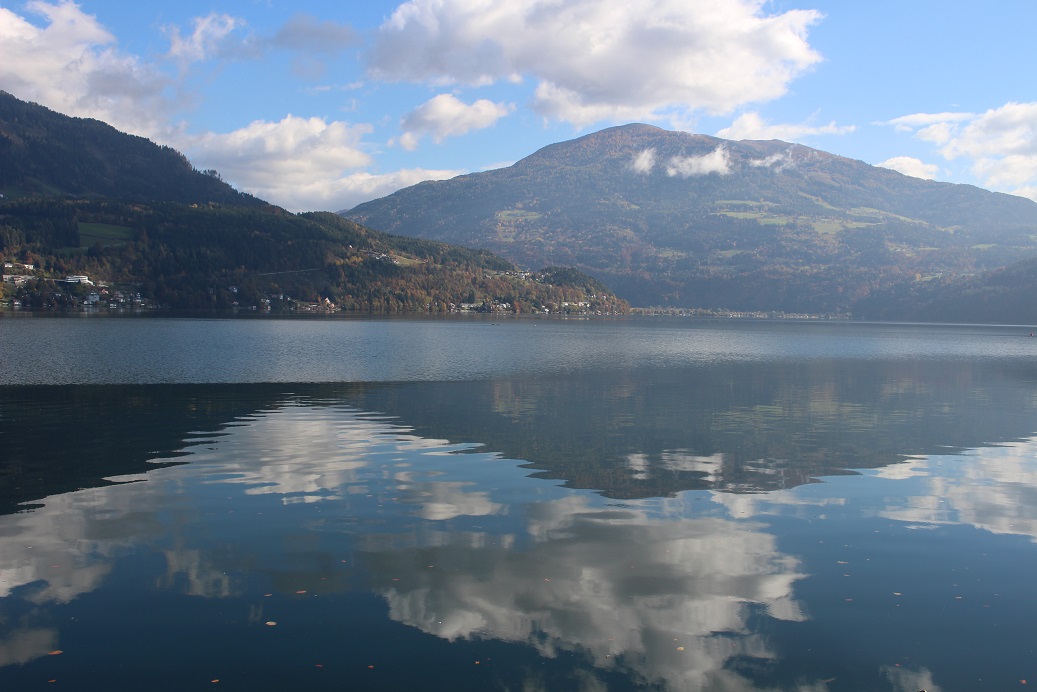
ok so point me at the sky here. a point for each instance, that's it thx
(322, 104)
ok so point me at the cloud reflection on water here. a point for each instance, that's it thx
(464, 546)
(991, 488)
(667, 600)
(642, 589)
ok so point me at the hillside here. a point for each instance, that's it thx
(670, 218)
(48, 154)
(81, 198)
(998, 296)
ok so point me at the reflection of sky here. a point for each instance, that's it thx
(666, 600)
(463, 546)
(643, 589)
(989, 488)
(992, 488)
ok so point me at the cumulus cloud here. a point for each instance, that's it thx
(688, 166)
(207, 39)
(446, 116)
(349, 191)
(594, 60)
(643, 161)
(302, 164)
(752, 126)
(1000, 144)
(67, 60)
(70, 63)
(909, 165)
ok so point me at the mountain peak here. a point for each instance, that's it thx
(691, 220)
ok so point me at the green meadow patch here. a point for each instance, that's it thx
(104, 233)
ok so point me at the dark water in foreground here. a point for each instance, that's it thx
(397, 504)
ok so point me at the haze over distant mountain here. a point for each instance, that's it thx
(670, 218)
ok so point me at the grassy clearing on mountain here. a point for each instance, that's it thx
(104, 233)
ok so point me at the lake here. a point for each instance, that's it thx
(516, 504)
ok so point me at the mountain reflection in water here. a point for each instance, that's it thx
(804, 524)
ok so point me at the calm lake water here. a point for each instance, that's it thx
(516, 505)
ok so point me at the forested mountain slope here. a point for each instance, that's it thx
(670, 218)
(81, 198)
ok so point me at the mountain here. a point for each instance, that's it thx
(998, 296)
(48, 154)
(670, 218)
(80, 198)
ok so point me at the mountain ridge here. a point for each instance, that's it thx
(80, 199)
(50, 154)
(672, 218)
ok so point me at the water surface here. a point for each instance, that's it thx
(471, 504)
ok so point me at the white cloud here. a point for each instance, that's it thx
(223, 36)
(70, 64)
(778, 162)
(1000, 144)
(643, 162)
(297, 162)
(752, 126)
(909, 165)
(593, 60)
(68, 61)
(210, 33)
(1010, 130)
(446, 116)
(687, 166)
(351, 190)
(408, 140)
(910, 123)
(303, 164)
(1027, 191)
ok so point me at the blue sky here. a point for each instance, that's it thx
(314, 104)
